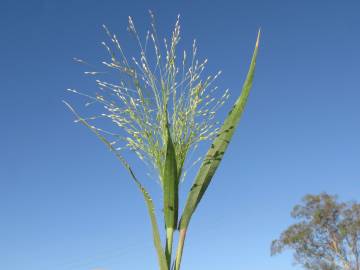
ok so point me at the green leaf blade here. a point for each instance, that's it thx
(218, 147)
(170, 185)
(149, 203)
(156, 235)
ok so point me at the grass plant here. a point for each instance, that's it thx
(163, 107)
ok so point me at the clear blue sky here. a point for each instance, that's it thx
(65, 202)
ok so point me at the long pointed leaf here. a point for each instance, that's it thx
(171, 194)
(146, 195)
(218, 147)
(170, 185)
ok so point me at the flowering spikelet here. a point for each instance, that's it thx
(157, 89)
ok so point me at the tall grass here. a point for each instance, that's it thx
(163, 108)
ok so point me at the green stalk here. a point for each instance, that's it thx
(182, 236)
(169, 243)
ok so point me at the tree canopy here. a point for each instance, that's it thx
(326, 235)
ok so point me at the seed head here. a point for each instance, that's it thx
(156, 91)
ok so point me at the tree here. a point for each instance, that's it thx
(326, 236)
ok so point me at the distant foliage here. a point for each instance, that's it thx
(326, 236)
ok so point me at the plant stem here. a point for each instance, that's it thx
(180, 247)
(169, 242)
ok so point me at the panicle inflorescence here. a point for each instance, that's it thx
(157, 89)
